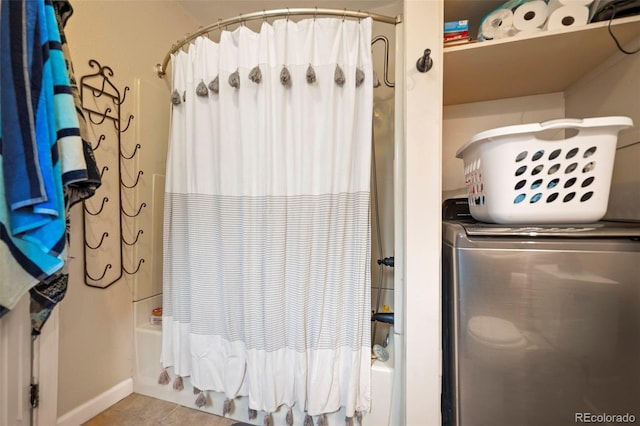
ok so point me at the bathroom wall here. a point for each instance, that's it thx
(461, 122)
(96, 326)
(614, 89)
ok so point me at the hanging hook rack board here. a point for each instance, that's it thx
(161, 69)
(105, 221)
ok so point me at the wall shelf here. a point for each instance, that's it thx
(545, 62)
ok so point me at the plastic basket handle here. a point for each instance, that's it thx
(562, 123)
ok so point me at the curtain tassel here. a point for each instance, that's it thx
(268, 419)
(308, 420)
(311, 75)
(322, 420)
(289, 417)
(255, 75)
(175, 98)
(285, 77)
(228, 406)
(214, 85)
(201, 400)
(338, 76)
(359, 417)
(359, 77)
(201, 89)
(177, 383)
(234, 79)
(253, 414)
(164, 378)
(348, 421)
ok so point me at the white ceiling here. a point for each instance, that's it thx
(208, 12)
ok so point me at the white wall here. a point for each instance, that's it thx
(422, 23)
(461, 122)
(614, 89)
(15, 336)
(96, 326)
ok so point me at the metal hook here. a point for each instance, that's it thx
(104, 272)
(288, 13)
(424, 63)
(104, 201)
(97, 246)
(241, 20)
(344, 15)
(264, 15)
(140, 262)
(315, 14)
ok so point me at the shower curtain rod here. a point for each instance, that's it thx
(161, 69)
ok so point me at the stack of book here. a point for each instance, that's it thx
(456, 32)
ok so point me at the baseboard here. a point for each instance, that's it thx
(95, 406)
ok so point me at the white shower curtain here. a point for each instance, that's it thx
(267, 225)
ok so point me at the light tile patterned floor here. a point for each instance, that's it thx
(140, 410)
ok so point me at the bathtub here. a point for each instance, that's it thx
(148, 343)
(381, 393)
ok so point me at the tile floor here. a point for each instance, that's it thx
(140, 410)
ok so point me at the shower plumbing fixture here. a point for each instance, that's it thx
(102, 103)
(161, 69)
(387, 261)
(385, 317)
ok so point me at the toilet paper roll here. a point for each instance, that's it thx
(529, 32)
(567, 17)
(497, 24)
(530, 15)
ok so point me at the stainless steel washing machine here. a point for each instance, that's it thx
(541, 324)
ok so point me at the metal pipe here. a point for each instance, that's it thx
(161, 69)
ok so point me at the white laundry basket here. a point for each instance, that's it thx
(515, 176)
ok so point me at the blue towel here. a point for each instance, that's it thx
(23, 263)
(44, 224)
(72, 160)
(30, 187)
(32, 118)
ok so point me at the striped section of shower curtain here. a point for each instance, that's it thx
(267, 224)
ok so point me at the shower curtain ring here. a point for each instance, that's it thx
(288, 13)
(315, 14)
(344, 15)
(264, 15)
